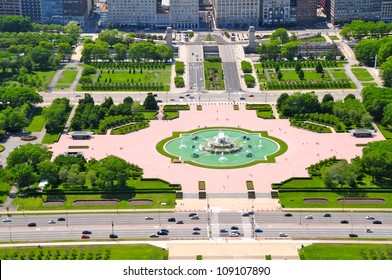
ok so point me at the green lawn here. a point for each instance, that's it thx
(149, 115)
(38, 121)
(295, 199)
(334, 38)
(102, 252)
(387, 133)
(346, 252)
(291, 75)
(51, 138)
(370, 84)
(4, 190)
(67, 78)
(362, 74)
(339, 74)
(47, 76)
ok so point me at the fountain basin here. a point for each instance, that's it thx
(222, 147)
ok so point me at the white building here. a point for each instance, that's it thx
(236, 13)
(184, 14)
(132, 12)
(275, 12)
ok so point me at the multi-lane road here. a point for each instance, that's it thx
(135, 226)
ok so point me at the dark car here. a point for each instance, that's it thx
(352, 235)
(246, 214)
(171, 219)
(85, 237)
(344, 222)
(377, 222)
(196, 228)
(234, 228)
(165, 230)
(258, 230)
(327, 215)
(162, 233)
(192, 214)
(87, 232)
(196, 233)
(251, 95)
(32, 225)
(288, 215)
(223, 230)
(154, 236)
(180, 222)
(113, 235)
(61, 219)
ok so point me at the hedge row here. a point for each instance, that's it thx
(128, 65)
(304, 64)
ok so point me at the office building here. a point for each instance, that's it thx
(275, 12)
(77, 10)
(307, 11)
(343, 11)
(9, 7)
(31, 9)
(234, 14)
(386, 11)
(184, 14)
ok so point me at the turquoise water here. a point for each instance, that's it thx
(255, 147)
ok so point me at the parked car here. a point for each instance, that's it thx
(251, 95)
(32, 224)
(87, 232)
(246, 214)
(344, 222)
(85, 237)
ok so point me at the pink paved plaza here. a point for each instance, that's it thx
(304, 149)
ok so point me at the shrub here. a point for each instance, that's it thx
(250, 81)
(179, 82)
(88, 70)
(246, 66)
(213, 59)
(180, 67)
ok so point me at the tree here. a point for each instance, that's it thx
(386, 72)
(121, 51)
(48, 170)
(16, 24)
(366, 51)
(297, 67)
(150, 103)
(327, 97)
(330, 56)
(112, 170)
(387, 119)
(290, 50)
(30, 154)
(108, 102)
(65, 50)
(270, 50)
(128, 100)
(349, 96)
(301, 74)
(112, 37)
(377, 159)
(24, 175)
(300, 103)
(281, 100)
(319, 67)
(73, 29)
(280, 75)
(18, 96)
(341, 173)
(281, 34)
(40, 56)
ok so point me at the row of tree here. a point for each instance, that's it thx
(147, 51)
(358, 29)
(378, 102)
(350, 111)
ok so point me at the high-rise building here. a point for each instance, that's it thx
(275, 12)
(307, 11)
(239, 13)
(343, 11)
(77, 10)
(386, 11)
(184, 14)
(31, 9)
(9, 7)
(52, 11)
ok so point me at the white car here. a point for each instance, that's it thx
(234, 234)
(8, 219)
(283, 234)
(369, 218)
(149, 218)
(51, 222)
(309, 217)
(368, 230)
(195, 217)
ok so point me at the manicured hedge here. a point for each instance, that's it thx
(246, 66)
(180, 67)
(179, 82)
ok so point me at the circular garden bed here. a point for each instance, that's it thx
(360, 200)
(139, 201)
(28, 138)
(100, 202)
(315, 201)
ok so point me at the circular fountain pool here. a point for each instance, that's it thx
(223, 148)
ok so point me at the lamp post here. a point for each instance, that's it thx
(112, 227)
(10, 232)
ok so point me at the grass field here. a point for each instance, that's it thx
(37, 123)
(46, 75)
(338, 74)
(295, 199)
(4, 190)
(214, 76)
(362, 74)
(67, 78)
(51, 138)
(291, 75)
(387, 133)
(346, 252)
(102, 252)
(370, 84)
(334, 38)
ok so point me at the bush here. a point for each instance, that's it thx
(88, 70)
(180, 67)
(179, 82)
(246, 66)
(250, 81)
(213, 59)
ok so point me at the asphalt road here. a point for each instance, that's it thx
(131, 226)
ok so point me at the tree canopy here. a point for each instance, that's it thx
(377, 159)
